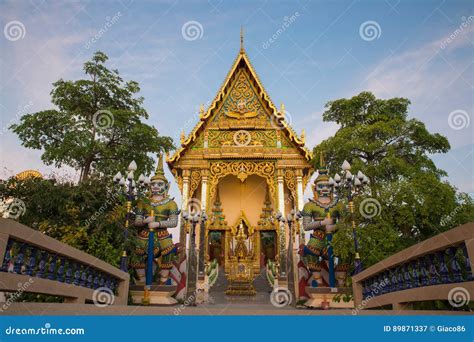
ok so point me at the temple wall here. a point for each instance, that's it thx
(248, 196)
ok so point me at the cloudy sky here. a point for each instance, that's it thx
(306, 53)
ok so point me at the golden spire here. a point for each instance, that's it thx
(303, 136)
(183, 137)
(241, 39)
(321, 160)
(159, 173)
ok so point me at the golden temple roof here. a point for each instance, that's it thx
(205, 115)
(28, 174)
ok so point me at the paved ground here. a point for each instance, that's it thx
(239, 309)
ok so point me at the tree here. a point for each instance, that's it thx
(88, 216)
(97, 124)
(376, 137)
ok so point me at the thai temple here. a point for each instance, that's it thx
(241, 164)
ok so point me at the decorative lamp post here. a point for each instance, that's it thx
(193, 218)
(350, 185)
(291, 219)
(127, 187)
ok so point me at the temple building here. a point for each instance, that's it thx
(241, 164)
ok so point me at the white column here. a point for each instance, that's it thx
(281, 194)
(184, 204)
(300, 203)
(282, 229)
(203, 191)
(200, 236)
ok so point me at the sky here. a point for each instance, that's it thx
(306, 54)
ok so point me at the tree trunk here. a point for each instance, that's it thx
(86, 170)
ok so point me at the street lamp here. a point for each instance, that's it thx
(351, 185)
(193, 218)
(291, 220)
(128, 188)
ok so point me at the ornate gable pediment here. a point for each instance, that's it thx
(242, 115)
(241, 104)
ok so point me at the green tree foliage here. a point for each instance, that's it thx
(376, 137)
(88, 216)
(96, 126)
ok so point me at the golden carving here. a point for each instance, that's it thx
(178, 178)
(290, 180)
(242, 138)
(195, 180)
(242, 101)
(266, 138)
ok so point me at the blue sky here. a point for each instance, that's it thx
(422, 50)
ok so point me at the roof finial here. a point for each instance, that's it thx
(241, 38)
(201, 111)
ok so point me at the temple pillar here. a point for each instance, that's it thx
(298, 235)
(201, 243)
(184, 204)
(300, 204)
(282, 228)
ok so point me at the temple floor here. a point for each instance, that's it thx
(217, 294)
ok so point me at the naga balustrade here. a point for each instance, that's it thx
(426, 271)
(36, 263)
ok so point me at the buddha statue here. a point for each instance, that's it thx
(158, 212)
